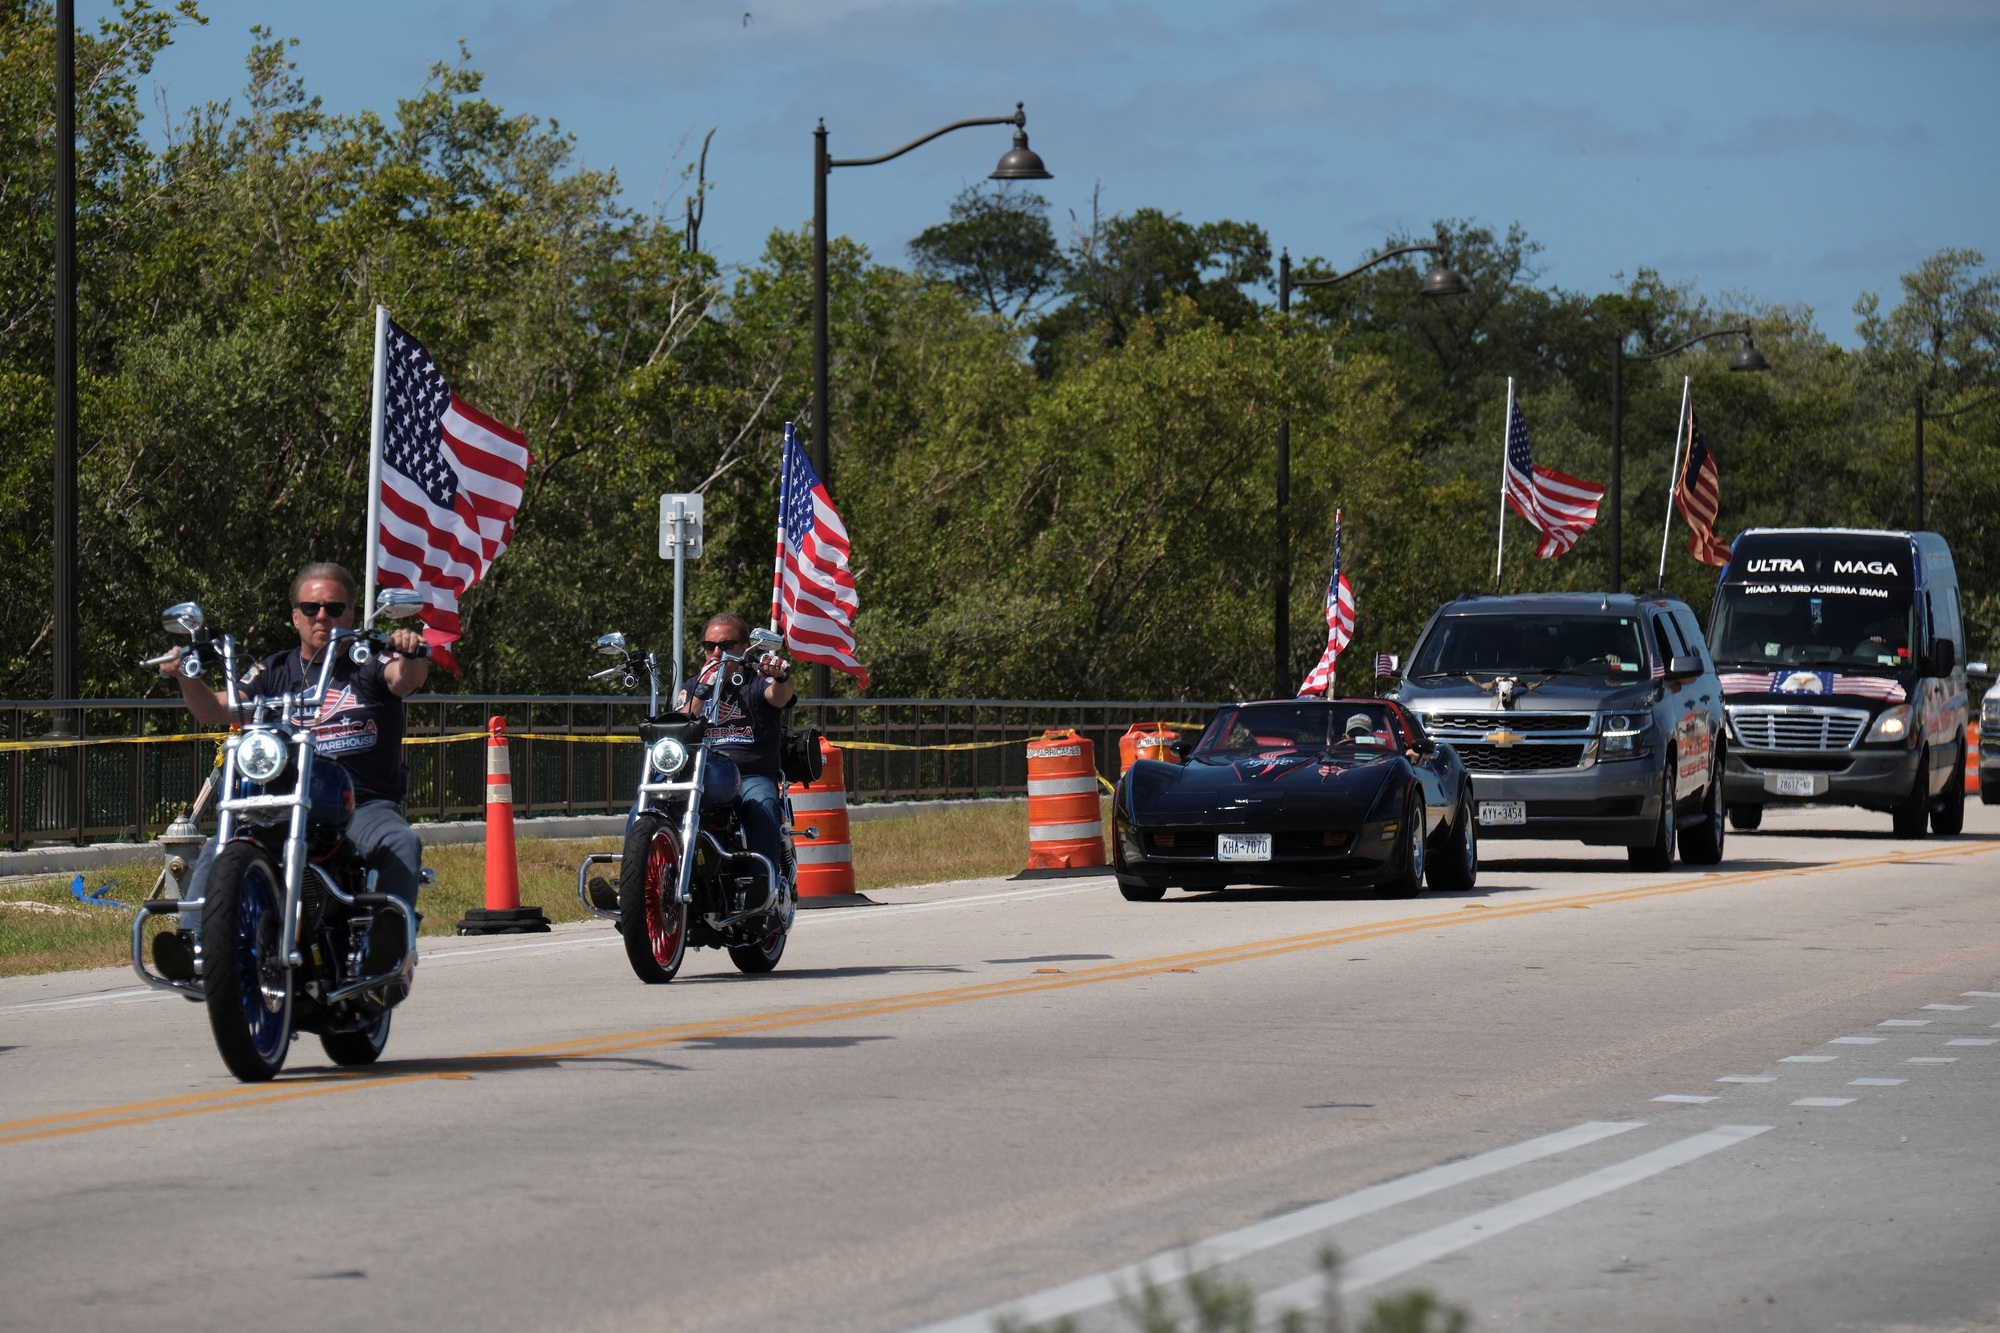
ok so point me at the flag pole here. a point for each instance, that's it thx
(374, 535)
(778, 560)
(1333, 674)
(1674, 477)
(1506, 425)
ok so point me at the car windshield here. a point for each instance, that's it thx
(1260, 729)
(1592, 645)
(1755, 625)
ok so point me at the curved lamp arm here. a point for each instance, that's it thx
(1432, 247)
(1019, 120)
(1743, 331)
(1975, 403)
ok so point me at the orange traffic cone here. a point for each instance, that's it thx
(503, 913)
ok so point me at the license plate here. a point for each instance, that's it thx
(1503, 812)
(1243, 847)
(1795, 784)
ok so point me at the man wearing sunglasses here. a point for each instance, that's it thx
(360, 726)
(749, 728)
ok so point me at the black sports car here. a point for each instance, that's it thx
(1299, 792)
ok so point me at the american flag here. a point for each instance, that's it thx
(451, 483)
(816, 598)
(1821, 682)
(1385, 664)
(1561, 508)
(1339, 622)
(1699, 498)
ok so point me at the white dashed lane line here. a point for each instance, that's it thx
(1748, 1078)
(1932, 1060)
(1824, 1101)
(1876, 1082)
(1856, 1041)
(1973, 1041)
(1807, 1059)
(1687, 1098)
(1904, 1023)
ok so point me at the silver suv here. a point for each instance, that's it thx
(1594, 716)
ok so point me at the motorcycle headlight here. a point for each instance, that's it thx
(1623, 734)
(667, 755)
(260, 755)
(1893, 725)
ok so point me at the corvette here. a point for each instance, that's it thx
(1301, 792)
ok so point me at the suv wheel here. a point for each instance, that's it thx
(1659, 853)
(1701, 845)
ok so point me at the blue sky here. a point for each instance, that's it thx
(1799, 151)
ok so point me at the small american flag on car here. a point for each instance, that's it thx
(1385, 664)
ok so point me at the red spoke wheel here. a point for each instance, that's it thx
(653, 923)
(761, 956)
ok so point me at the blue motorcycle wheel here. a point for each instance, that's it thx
(246, 982)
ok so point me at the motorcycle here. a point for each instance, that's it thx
(289, 934)
(687, 877)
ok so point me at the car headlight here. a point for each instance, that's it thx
(1989, 712)
(260, 755)
(667, 755)
(1622, 735)
(1892, 725)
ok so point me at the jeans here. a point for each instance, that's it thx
(763, 825)
(383, 839)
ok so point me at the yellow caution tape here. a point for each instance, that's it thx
(70, 743)
(963, 745)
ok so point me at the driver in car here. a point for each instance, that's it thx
(360, 727)
(749, 730)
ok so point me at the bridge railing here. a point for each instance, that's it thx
(96, 770)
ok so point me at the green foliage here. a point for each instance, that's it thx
(1056, 466)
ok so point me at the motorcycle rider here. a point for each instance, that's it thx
(360, 727)
(751, 726)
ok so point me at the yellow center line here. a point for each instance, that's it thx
(138, 1113)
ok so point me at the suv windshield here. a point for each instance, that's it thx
(1263, 728)
(1756, 625)
(1591, 645)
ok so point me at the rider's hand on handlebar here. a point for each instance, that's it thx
(409, 642)
(773, 665)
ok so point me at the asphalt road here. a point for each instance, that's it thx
(1761, 1096)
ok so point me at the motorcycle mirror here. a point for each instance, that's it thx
(182, 618)
(397, 604)
(766, 641)
(612, 644)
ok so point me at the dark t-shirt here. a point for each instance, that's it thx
(361, 724)
(748, 729)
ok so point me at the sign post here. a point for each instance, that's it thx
(680, 542)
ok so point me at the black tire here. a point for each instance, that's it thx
(1701, 845)
(759, 958)
(1409, 879)
(1454, 866)
(653, 924)
(358, 1048)
(1912, 816)
(1658, 854)
(1139, 891)
(1989, 788)
(246, 985)
(1948, 815)
(1744, 818)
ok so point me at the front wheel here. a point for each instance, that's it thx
(756, 959)
(653, 923)
(1409, 880)
(1744, 818)
(247, 984)
(1139, 891)
(1912, 815)
(358, 1048)
(1455, 867)
(1948, 816)
(1701, 844)
(1659, 853)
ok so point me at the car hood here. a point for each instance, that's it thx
(1557, 694)
(1292, 783)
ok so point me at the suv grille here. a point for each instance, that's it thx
(1533, 758)
(1478, 724)
(1765, 728)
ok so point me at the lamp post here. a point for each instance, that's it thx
(1019, 163)
(68, 680)
(1440, 281)
(1923, 415)
(1747, 358)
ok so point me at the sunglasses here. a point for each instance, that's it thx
(710, 645)
(334, 610)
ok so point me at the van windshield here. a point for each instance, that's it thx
(1586, 645)
(1757, 625)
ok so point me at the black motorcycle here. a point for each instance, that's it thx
(289, 934)
(687, 877)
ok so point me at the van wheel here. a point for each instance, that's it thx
(1744, 818)
(1912, 815)
(1659, 853)
(1948, 816)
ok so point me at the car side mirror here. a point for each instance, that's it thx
(1687, 664)
(612, 644)
(182, 618)
(1181, 749)
(1943, 657)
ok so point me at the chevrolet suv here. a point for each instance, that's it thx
(1593, 716)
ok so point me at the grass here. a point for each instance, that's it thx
(44, 929)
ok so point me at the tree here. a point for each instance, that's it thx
(997, 249)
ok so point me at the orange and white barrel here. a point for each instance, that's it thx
(503, 869)
(1065, 820)
(819, 830)
(1972, 758)
(1147, 740)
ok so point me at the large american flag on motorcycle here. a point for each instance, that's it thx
(451, 483)
(1339, 622)
(813, 600)
(1562, 508)
(1698, 495)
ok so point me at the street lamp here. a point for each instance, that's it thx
(1019, 163)
(1747, 358)
(68, 677)
(1923, 416)
(1440, 281)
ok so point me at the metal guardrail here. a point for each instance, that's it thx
(96, 770)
